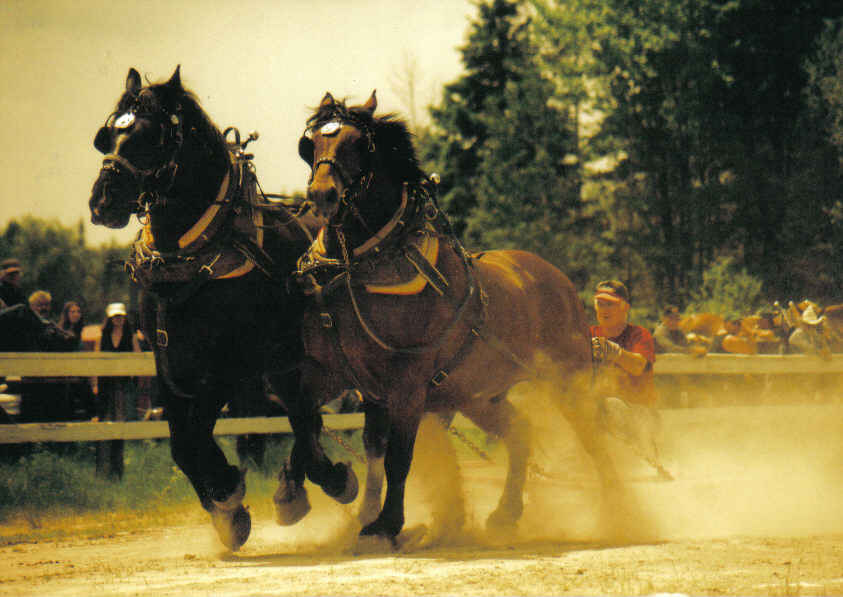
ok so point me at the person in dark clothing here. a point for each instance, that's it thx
(116, 396)
(77, 389)
(43, 399)
(10, 276)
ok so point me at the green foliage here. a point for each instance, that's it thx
(63, 479)
(55, 258)
(727, 290)
(493, 57)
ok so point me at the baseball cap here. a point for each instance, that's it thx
(612, 290)
(10, 265)
(115, 309)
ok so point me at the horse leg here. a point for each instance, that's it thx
(308, 458)
(399, 454)
(501, 419)
(290, 499)
(375, 434)
(219, 486)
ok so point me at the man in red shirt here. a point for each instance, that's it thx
(628, 353)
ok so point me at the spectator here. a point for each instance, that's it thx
(10, 276)
(43, 399)
(72, 321)
(670, 338)
(667, 335)
(77, 389)
(626, 383)
(116, 396)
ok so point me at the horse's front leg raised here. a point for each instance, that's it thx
(307, 457)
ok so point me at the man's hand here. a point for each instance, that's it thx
(610, 351)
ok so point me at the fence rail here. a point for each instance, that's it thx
(143, 364)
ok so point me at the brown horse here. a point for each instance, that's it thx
(405, 315)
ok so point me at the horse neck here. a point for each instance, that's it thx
(381, 202)
(196, 187)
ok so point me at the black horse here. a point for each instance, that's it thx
(211, 262)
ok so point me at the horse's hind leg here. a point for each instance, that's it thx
(501, 419)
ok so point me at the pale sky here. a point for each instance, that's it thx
(254, 64)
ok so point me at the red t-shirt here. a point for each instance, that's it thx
(638, 389)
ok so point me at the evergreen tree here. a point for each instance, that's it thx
(493, 56)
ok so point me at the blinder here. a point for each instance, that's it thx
(306, 149)
(151, 180)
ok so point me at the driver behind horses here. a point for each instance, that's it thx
(626, 379)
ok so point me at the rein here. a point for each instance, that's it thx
(417, 210)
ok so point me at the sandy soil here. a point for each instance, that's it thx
(755, 510)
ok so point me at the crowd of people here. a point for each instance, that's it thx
(45, 399)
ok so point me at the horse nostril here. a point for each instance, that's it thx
(323, 196)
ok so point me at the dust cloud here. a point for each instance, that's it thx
(751, 468)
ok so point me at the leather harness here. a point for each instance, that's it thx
(320, 276)
(225, 243)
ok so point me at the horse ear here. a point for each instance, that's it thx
(328, 100)
(371, 103)
(306, 149)
(133, 82)
(175, 80)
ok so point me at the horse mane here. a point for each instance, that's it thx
(392, 138)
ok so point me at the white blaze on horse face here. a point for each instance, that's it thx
(125, 121)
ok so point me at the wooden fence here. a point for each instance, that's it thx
(83, 364)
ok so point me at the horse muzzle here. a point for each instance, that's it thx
(325, 197)
(112, 200)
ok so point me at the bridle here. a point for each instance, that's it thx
(155, 181)
(354, 187)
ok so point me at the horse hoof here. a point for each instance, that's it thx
(232, 526)
(379, 529)
(350, 486)
(290, 507)
(501, 520)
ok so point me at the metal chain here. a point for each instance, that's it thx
(337, 437)
(474, 447)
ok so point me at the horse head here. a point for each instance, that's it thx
(158, 145)
(358, 162)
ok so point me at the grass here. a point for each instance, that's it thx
(54, 491)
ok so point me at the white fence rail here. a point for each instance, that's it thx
(143, 364)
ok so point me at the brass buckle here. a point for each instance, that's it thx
(162, 338)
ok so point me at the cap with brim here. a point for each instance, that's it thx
(609, 296)
(115, 309)
(611, 290)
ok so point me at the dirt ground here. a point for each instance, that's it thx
(755, 509)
